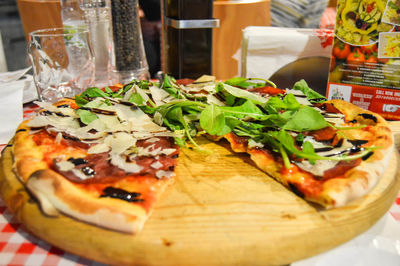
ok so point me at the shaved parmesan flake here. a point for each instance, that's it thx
(253, 144)
(99, 148)
(52, 108)
(300, 96)
(58, 138)
(120, 142)
(121, 162)
(167, 174)
(158, 95)
(65, 166)
(212, 99)
(168, 151)
(336, 119)
(156, 165)
(142, 93)
(111, 122)
(152, 140)
(61, 123)
(158, 118)
(148, 151)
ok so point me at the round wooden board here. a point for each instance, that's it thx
(221, 210)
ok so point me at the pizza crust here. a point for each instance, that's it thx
(361, 179)
(51, 189)
(339, 191)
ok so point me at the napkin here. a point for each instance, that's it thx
(11, 98)
(6, 77)
(267, 49)
(380, 245)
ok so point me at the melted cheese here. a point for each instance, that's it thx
(318, 168)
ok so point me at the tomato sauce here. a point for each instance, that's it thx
(301, 182)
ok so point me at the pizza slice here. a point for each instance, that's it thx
(327, 152)
(104, 162)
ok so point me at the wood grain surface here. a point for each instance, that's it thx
(221, 210)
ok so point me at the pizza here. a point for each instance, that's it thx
(106, 156)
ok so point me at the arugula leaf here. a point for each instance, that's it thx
(168, 86)
(175, 114)
(308, 148)
(300, 138)
(245, 83)
(212, 120)
(240, 93)
(108, 90)
(94, 92)
(136, 98)
(118, 94)
(248, 108)
(306, 119)
(287, 141)
(312, 95)
(235, 81)
(275, 104)
(80, 101)
(86, 116)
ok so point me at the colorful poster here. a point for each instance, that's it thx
(365, 61)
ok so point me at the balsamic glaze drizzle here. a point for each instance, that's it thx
(117, 193)
(88, 171)
(77, 161)
(358, 143)
(369, 116)
(47, 112)
(99, 111)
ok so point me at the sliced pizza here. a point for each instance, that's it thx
(105, 163)
(105, 156)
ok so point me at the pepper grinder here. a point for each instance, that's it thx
(187, 37)
(129, 58)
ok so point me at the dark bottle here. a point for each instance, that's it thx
(187, 37)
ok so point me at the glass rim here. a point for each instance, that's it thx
(60, 31)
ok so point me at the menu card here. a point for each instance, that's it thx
(365, 61)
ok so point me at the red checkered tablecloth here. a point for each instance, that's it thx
(18, 247)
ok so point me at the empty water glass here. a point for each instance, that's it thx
(62, 61)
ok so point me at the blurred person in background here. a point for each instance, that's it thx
(151, 30)
(297, 13)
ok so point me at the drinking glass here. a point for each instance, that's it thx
(62, 61)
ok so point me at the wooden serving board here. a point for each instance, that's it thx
(221, 210)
